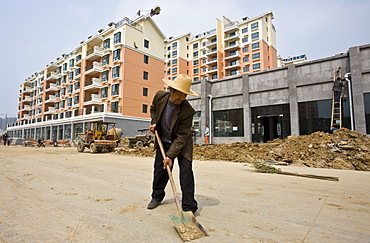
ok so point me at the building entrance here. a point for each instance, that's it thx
(271, 127)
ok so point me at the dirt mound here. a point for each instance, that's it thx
(345, 149)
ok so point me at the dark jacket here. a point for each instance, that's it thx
(338, 86)
(181, 124)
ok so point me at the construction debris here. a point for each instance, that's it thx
(344, 149)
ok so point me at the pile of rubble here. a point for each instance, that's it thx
(345, 149)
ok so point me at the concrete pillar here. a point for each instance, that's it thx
(204, 117)
(357, 90)
(247, 110)
(293, 100)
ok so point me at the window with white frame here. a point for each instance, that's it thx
(246, 59)
(256, 56)
(174, 70)
(116, 54)
(106, 44)
(244, 30)
(257, 66)
(106, 59)
(195, 70)
(114, 106)
(255, 45)
(245, 39)
(255, 35)
(246, 69)
(245, 49)
(117, 38)
(104, 92)
(115, 72)
(70, 74)
(104, 75)
(254, 25)
(114, 90)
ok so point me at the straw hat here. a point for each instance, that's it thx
(181, 83)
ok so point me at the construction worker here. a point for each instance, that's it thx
(337, 88)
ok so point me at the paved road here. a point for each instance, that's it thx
(59, 195)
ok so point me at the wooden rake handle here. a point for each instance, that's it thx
(176, 198)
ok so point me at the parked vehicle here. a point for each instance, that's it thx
(143, 138)
(99, 136)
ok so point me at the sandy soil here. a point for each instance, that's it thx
(59, 195)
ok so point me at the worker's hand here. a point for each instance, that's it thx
(152, 128)
(167, 161)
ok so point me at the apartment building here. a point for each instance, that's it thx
(111, 76)
(232, 48)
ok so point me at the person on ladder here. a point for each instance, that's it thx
(337, 88)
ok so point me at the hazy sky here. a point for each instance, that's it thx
(36, 32)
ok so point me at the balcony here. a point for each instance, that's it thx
(236, 64)
(233, 55)
(27, 99)
(27, 90)
(51, 99)
(232, 37)
(232, 46)
(51, 87)
(94, 68)
(94, 53)
(76, 104)
(51, 110)
(212, 61)
(26, 116)
(26, 108)
(94, 83)
(213, 70)
(51, 76)
(94, 99)
(211, 44)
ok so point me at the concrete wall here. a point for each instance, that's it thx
(304, 82)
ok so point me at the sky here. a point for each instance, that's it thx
(36, 32)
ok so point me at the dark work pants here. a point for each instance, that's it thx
(160, 179)
(337, 96)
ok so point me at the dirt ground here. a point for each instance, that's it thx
(55, 194)
(345, 149)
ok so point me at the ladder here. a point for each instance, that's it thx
(336, 112)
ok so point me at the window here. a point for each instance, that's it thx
(228, 123)
(71, 63)
(77, 85)
(64, 79)
(245, 49)
(204, 52)
(78, 71)
(244, 30)
(145, 75)
(63, 91)
(233, 63)
(76, 99)
(233, 53)
(195, 70)
(117, 38)
(174, 53)
(75, 113)
(214, 76)
(104, 75)
(69, 102)
(255, 35)
(106, 44)
(173, 78)
(254, 25)
(70, 88)
(196, 79)
(114, 106)
(195, 45)
(106, 59)
(234, 72)
(146, 59)
(232, 34)
(70, 76)
(168, 48)
(255, 56)
(232, 43)
(146, 43)
(64, 66)
(114, 90)
(174, 45)
(246, 69)
(246, 59)
(214, 67)
(255, 46)
(204, 43)
(116, 54)
(104, 92)
(145, 108)
(145, 91)
(204, 69)
(174, 70)
(256, 66)
(204, 60)
(195, 62)
(174, 62)
(214, 49)
(245, 39)
(115, 72)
